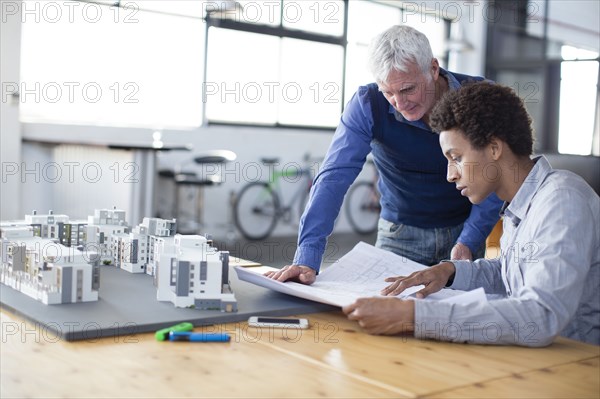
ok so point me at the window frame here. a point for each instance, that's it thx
(272, 30)
(514, 27)
(283, 32)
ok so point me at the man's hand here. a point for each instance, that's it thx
(461, 252)
(433, 278)
(297, 273)
(382, 316)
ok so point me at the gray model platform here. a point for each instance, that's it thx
(128, 305)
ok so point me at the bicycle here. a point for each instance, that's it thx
(258, 207)
(362, 205)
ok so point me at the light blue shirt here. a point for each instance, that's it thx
(548, 274)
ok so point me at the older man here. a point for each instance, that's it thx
(422, 216)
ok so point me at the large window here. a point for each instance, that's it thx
(548, 51)
(361, 32)
(578, 100)
(360, 35)
(276, 64)
(263, 79)
(179, 64)
(96, 64)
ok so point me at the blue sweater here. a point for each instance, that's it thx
(412, 176)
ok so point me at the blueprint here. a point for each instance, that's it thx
(359, 273)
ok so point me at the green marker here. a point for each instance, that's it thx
(163, 335)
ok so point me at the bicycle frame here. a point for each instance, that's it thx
(305, 176)
(259, 205)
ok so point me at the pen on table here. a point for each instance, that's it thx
(186, 336)
(163, 335)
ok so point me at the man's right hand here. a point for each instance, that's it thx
(433, 278)
(297, 273)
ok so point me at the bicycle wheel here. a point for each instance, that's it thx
(256, 211)
(362, 207)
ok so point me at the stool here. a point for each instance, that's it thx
(168, 193)
(185, 179)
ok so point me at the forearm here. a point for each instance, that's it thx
(485, 273)
(344, 161)
(317, 224)
(501, 322)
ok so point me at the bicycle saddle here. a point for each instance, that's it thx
(269, 161)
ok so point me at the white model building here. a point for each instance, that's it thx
(46, 270)
(41, 223)
(159, 230)
(192, 273)
(67, 232)
(129, 251)
(102, 230)
(134, 251)
(158, 245)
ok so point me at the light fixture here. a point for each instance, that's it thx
(157, 139)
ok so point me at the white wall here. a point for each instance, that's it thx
(10, 129)
(74, 198)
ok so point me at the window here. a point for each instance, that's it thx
(537, 48)
(360, 35)
(313, 92)
(578, 101)
(262, 66)
(272, 63)
(293, 63)
(97, 64)
(361, 32)
(241, 75)
(433, 26)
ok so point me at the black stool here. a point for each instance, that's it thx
(169, 189)
(198, 182)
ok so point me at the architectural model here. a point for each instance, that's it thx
(54, 260)
(46, 270)
(102, 230)
(192, 273)
(134, 251)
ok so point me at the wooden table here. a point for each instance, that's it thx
(331, 359)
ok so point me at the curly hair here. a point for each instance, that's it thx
(485, 110)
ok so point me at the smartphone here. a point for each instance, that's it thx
(277, 322)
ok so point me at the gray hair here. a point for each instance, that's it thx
(395, 49)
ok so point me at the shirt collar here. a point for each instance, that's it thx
(453, 84)
(516, 210)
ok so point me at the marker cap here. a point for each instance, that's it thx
(163, 335)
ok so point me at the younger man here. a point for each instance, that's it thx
(549, 270)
